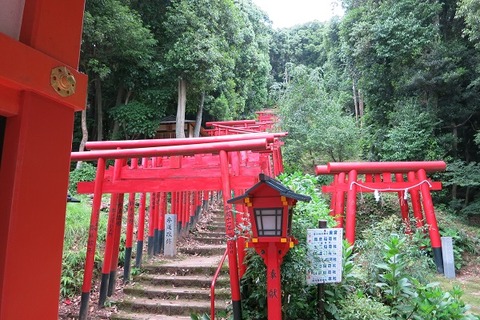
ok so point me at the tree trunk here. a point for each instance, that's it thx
(198, 120)
(181, 108)
(118, 101)
(355, 101)
(99, 107)
(84, 136)
(360, 107)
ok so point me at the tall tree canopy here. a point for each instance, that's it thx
(390, 80)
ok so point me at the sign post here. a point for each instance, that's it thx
(170, 235)
(325, 259)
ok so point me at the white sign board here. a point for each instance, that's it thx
(170, 245)
(324, 255)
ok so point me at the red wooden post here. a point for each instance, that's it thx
(274, 289)
(333, 197)
(130, 225)
(156, 229)
(107, 259)
(403, 205)
(116, 245)
(151, 225)
(231, 244)
(340, 201)
(192, 199)
(185, 214)
(140, 229)
(416, 205)
(36, 145)
(92, 239)
(351, 207)
(112, 213)
(162, 210)
(129, 236)
(240, 214)
(431, 220)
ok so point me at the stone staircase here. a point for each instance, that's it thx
(175, 288)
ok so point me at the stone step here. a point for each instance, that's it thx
(180, 270)
(173, 293)
(213, 228)
(123, 315)
(167, 307)
(216, 234)
(205, 238)
(198, 281)
(207, 250)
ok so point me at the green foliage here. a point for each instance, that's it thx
(75, 243)
(306, 214)
(200, 317)
(410, 297)
(86, 172)
(319, 129)
(371, 245)
(359, 307)
(136, 120)
(254, 288)
(469, 10)
(394, 284)
(434, 303)
(337, 293)
(411, 136)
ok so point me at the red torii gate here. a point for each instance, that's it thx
(40, 89)
(378, 178)
(116, 185)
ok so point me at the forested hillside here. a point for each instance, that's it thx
(391, 80)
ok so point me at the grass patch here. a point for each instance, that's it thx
(77, 226)
(470, 287)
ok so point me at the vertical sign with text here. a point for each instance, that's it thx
(170, 249)
(324, 255)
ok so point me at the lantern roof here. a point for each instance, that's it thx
(274, 184)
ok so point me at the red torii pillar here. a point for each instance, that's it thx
(36, 125)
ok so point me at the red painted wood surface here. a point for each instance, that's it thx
(50, 37)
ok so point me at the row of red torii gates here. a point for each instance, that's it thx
(41, 89)
(230, 161)
(185, 171)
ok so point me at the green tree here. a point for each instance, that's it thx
(217, 52)
(411, 134)
(319, 129)
(117, 51)
(198, 52)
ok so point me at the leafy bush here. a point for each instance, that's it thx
(136, 120)
(359, 307)
(86, 172)
(371, 247)
(75, 242)
(387, 277)
(434, 303)
(352, 278)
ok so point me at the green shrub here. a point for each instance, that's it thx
(358, 307)
(352, 279)
(434, 303)
(86, 172)
(74, 247)
(371, 249)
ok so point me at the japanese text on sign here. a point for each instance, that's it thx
(324, 255)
